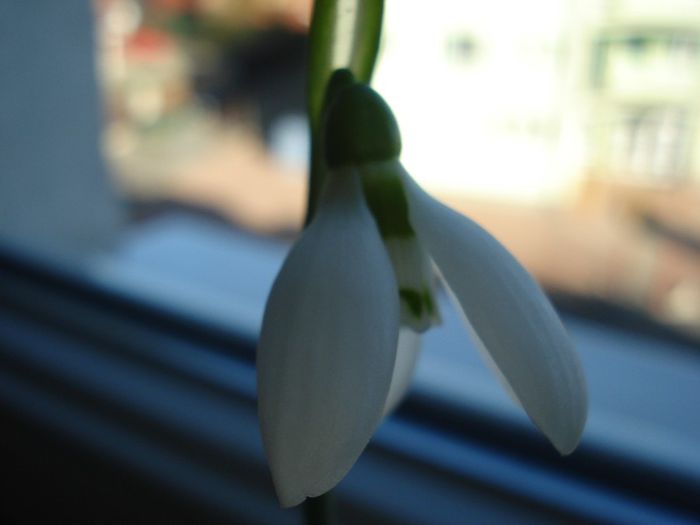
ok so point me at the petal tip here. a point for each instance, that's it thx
(566, 436)
(565, 446)
(288, 495)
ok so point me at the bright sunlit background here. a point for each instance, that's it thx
(568, 128)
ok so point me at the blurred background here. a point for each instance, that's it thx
(570, 129)
(153, 164)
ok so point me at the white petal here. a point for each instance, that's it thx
(404, 368)
(327, 347)
(510, 316)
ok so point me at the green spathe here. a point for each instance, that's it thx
(360, 128)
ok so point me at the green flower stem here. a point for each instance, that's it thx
(330, 27)
(317, 176)
(320, 510)
(340, 79)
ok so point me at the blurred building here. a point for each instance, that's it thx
(645, 88)
(528, 101)
(571, 129)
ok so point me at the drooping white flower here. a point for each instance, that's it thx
(328, 368)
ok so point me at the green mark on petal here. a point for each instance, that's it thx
(412, 300)
(386, 198)
(430, 306)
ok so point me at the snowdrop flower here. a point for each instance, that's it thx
(361, 273)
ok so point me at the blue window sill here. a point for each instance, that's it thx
(147, 358)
